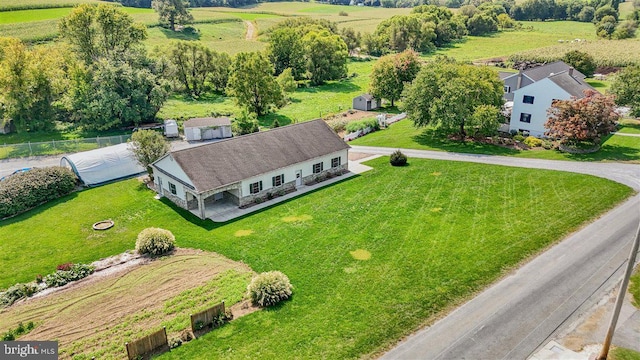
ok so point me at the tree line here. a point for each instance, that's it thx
(101, 77)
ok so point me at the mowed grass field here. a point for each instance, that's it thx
(404, 135)
(371, 258)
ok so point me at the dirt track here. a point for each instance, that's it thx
(96, 314)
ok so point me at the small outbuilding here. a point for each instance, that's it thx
(365, 102)
(96, 167)
(171, 128)
(207, 128)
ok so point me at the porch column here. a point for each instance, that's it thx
(201, 206)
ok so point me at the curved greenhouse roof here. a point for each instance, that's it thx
(102, 165)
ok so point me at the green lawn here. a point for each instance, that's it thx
(630, 126)
(634, 288)
(623, 354)
(436, 233)
(404, 135)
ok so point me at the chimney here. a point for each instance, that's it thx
(519, 83)
(571, 71)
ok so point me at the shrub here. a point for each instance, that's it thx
(533, 141)
(174, 343)
(23, 191)
(155, 241)
(547, 144)
(397, 158)
(16, 292)
(518, 137)
(63, 277)
(65, 267)
(343, 13)
(361, 125)
(269, 288)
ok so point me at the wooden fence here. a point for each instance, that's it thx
(203, 321)
(151, 344)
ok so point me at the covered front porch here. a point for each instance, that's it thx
(214, 203)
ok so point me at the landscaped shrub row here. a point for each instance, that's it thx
(63, 277)
(23, 191)
(362, 124)
(59, 278)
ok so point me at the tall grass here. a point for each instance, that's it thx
(604, 52)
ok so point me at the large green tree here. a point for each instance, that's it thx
(326, 55)
(391, 72)
(114, 93)
(286, 51)
(148, 146)
(101, 31)
(198, 68)
(31, 83)
(626, 88)
(447, 95)
(581, 61)
(253, 84)
(172, 12)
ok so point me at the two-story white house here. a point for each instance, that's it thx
(242, 169)
(516, 81)
(530, 103)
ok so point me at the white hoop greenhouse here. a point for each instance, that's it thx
(96, 167)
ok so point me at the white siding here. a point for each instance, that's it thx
(544, 92)
(290, 171)
(169, 165)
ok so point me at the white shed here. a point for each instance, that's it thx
(171, 128)
(365, 102)
(207, 128)
(102, 165)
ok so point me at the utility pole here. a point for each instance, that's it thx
(623, 289)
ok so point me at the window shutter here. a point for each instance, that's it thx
(260, 185)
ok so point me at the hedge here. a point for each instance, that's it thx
(362, 124)
(23, 191)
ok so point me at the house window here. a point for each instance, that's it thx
(527, 99)
(335, 162)
(507, 89)
(525, 118)
(317, 168)
(255, 187)
(277, 180)
(172, 188)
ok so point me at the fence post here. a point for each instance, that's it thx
(30, 151)
(121, 141)
(128, 353)
(54, 143)
(98, 140)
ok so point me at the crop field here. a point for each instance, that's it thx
(371, 258)
(96, 316)
(40, 4)
(605, 52)
(404, 135)
(506, 43)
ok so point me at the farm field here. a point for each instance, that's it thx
(40, 4)
(404, 135)
(371, 258)
(605, 52)
(96, 316)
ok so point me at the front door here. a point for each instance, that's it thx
(298, 177)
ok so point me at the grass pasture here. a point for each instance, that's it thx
(404, 135)
(12, 5)
(371, 258)
(94, 318)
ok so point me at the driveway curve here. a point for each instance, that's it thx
(520, 313)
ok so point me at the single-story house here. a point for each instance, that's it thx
(235, 172)
(207, 128)
(530, 103)
(516, 81)
(365, 102)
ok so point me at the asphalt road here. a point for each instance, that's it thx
(523, 311)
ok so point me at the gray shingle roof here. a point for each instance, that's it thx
(541, 72)
(503, 74)
(198, 122)
(228, 161)
(571, 84)
(367, 97)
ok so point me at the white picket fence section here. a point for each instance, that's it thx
(357, 134)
